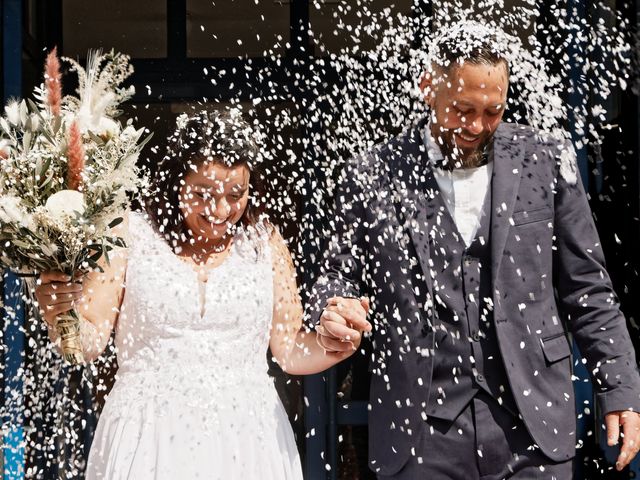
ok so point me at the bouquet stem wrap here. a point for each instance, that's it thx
(68, 328)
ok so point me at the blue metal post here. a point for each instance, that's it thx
(583, 387)
(315, 424)
(583, 390)
(332, 423)
(635, 465)
(577, 54)
(13, 400)
(13, 441)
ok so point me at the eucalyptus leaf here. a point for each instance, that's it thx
(95, 138)
(116, 222)
(50, 175)
(145, 141)
(20, 244)
(33, 107)
(5, 125)
(96, 256)
(106, 256)
(42, 171)
(94, 265)
(26, 140)
(24, 112)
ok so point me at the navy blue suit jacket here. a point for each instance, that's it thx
(548, 279)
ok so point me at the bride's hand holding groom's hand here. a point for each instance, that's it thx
(342, 323)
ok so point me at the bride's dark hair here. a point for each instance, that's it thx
(206, 137)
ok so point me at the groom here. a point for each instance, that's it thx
(474, 240)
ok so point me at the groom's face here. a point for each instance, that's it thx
(467, 104)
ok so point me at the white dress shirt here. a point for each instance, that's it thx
(463, 189)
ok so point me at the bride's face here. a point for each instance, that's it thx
(214, 198)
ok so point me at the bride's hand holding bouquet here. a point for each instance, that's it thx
(66, 165)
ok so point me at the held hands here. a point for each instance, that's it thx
(342, 323)
(57, 294)
(630, 422)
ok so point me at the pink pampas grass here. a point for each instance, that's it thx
(75, 158)
(52, 79)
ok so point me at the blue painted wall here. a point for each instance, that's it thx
(13, 314)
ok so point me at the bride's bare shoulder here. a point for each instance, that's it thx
(280, 253)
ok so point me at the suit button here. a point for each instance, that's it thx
(480, 378)
(475, 336)
(467, 261)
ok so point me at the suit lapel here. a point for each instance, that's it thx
(426, 202)
(421, 209)
(411, 174)
(418, 203)
(508, 155)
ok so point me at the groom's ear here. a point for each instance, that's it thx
(427, 88)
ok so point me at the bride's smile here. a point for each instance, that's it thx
(213, 199)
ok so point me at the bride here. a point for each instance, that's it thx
(204, 287)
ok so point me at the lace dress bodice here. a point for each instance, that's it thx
(192, 397)
(181, 336)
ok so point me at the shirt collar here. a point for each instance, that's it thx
(433, 149)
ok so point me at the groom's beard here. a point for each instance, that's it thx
(456, 157)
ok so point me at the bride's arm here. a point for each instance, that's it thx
(99, 305)
(293, 347)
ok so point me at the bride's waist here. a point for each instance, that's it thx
(167, 393)
(159, 354)
(191, 349)
(192, 373)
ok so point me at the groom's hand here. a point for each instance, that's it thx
(342, 323)
(630, 423)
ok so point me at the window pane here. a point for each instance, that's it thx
(333, 22)
(31, 18)
(510, 15)
(138, 29)
(233, 28)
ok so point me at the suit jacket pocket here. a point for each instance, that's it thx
(555, 347)
(524, 217)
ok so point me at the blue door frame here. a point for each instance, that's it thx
(13, 440)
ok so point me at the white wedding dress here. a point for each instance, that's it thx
(192, 398)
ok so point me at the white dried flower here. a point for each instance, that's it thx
(64, 203)
(11, 210)
(106, 128)
(12, 111)
(35, 122)
(130, 133)
(4, 148)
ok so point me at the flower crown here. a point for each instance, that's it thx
(219, 135)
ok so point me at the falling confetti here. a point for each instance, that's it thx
(563, 73)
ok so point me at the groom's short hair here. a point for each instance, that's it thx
(470, 45)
